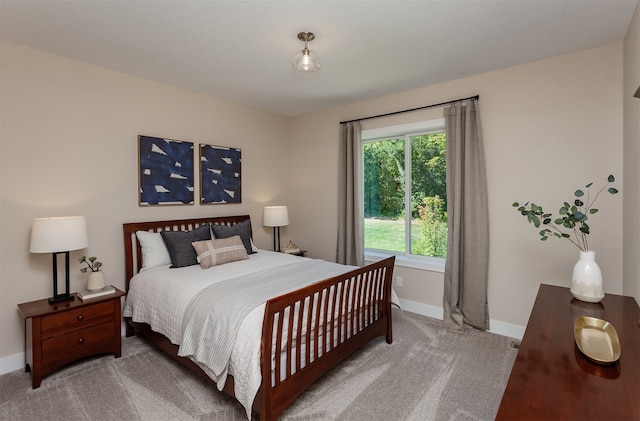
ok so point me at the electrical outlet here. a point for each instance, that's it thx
(399, 281)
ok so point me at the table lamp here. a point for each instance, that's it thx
(276, 217)
(59, 235)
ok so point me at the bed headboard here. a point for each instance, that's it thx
(133, 252)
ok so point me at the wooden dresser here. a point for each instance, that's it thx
(58, 334)
(552, 379)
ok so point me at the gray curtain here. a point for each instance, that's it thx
(350, 250)
(467, 264)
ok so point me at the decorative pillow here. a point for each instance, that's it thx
(154, 251)
(179, 245)
(243, 229)
(218, 252)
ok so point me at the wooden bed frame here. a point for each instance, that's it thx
(331, 319)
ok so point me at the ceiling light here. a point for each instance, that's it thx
(306, 61)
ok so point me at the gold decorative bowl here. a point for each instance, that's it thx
(597, 339)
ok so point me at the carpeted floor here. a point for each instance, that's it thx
(429, 373)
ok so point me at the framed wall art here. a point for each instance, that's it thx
(220, 175)
(166, 171)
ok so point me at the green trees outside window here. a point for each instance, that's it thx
(389, 172)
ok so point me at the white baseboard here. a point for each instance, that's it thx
(12, 363)
(506, 329)
(498, 327)
(422, 309)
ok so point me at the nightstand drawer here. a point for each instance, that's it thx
(69, 347)
(77, 319)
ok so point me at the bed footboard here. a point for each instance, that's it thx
(314, 328)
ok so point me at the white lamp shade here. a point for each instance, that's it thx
(275, 216)
(54, 235)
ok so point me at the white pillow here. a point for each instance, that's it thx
(154, 250)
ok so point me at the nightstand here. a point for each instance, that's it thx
(59, 334)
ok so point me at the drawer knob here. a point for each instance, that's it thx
(80, 341)
(80, 318)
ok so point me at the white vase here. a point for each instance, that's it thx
(95, 281)
(586, 282)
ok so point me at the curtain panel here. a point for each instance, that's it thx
(350, 250)
(467, 264)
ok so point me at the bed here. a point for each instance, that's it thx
(283, 344)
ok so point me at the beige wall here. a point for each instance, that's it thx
(632, 158)
(69, 146)
(549, 127)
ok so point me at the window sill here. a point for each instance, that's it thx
(431, 265)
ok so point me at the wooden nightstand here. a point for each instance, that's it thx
(62, 333)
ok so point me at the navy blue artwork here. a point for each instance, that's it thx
(220, 175)
(166, 171)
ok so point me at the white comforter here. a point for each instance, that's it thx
(161, 296)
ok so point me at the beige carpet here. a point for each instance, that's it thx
(428, 373)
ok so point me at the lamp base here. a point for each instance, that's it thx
(276, 239)
(60, 298)
(57, 298)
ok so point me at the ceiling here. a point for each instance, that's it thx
(241, 50)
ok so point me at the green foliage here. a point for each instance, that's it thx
(92, 264)
(433, 228)
(384, 178)
(384, 190)
(428, 169)
(572, 222)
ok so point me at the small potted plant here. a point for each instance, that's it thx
(95, 279)
(571, 223)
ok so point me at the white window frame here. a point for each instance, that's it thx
(406, 131)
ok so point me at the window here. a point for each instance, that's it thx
(405, 200)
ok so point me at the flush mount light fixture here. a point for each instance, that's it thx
(306, 61)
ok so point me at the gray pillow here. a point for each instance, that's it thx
(243, 229)
(179, 245)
